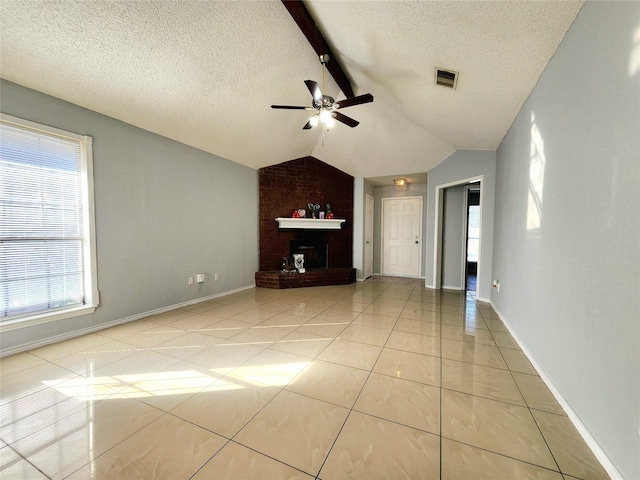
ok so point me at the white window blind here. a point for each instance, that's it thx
(43, 211)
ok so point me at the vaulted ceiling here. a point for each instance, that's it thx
(206, 72)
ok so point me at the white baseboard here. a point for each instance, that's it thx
(95, 328)
(602, 457)
(396, 276)
(380, 275)
(452, 287)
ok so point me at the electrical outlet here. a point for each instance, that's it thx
(200, 277)
(190, 280)
(215, 276)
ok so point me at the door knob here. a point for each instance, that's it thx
(416, 242)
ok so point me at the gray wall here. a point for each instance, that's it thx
(567, 236)
(453, 238)
(388, 191)
(461, 165)
(164, 211)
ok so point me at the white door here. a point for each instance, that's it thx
(368, 237)
(401, 236)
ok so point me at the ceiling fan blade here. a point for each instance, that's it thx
(344, 119)
(314, 88)
(349, 102)
(307, 125)
(291, 107)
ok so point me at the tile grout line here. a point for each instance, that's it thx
(317, 476)
(351, 409)
(534, 419)
(163, 412)
(7, 445)
(506, 456)
(271, 400)
(527, 406)
(231, 439)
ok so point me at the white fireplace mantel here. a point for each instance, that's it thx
(310, 223)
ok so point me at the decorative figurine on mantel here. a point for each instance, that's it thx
(314, 208)
(329, 214)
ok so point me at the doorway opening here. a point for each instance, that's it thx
(450, 248)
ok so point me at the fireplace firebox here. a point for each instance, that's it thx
(315, 251)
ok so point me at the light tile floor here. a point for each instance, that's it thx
(378, 379)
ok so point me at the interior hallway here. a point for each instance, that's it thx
(377, 379)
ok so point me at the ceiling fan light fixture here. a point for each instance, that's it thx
(399, 182)
(326, 106)
(325, 116)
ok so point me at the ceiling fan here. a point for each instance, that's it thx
(325, 106)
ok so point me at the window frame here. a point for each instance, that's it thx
(91, 293)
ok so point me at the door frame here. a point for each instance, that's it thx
(382, 247)
(439, 212)
(366, 228)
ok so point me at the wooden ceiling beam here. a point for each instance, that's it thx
(310, 29)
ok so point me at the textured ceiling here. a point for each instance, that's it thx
(206, 72)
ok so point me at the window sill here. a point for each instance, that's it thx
(41, 318)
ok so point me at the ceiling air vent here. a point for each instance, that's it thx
(446, 78)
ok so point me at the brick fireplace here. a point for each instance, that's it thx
(292, 185)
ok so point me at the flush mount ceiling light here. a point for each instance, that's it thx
(399, 182)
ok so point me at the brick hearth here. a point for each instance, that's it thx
(313, 278)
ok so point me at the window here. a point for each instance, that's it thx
(473, 233)
(47, 241)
